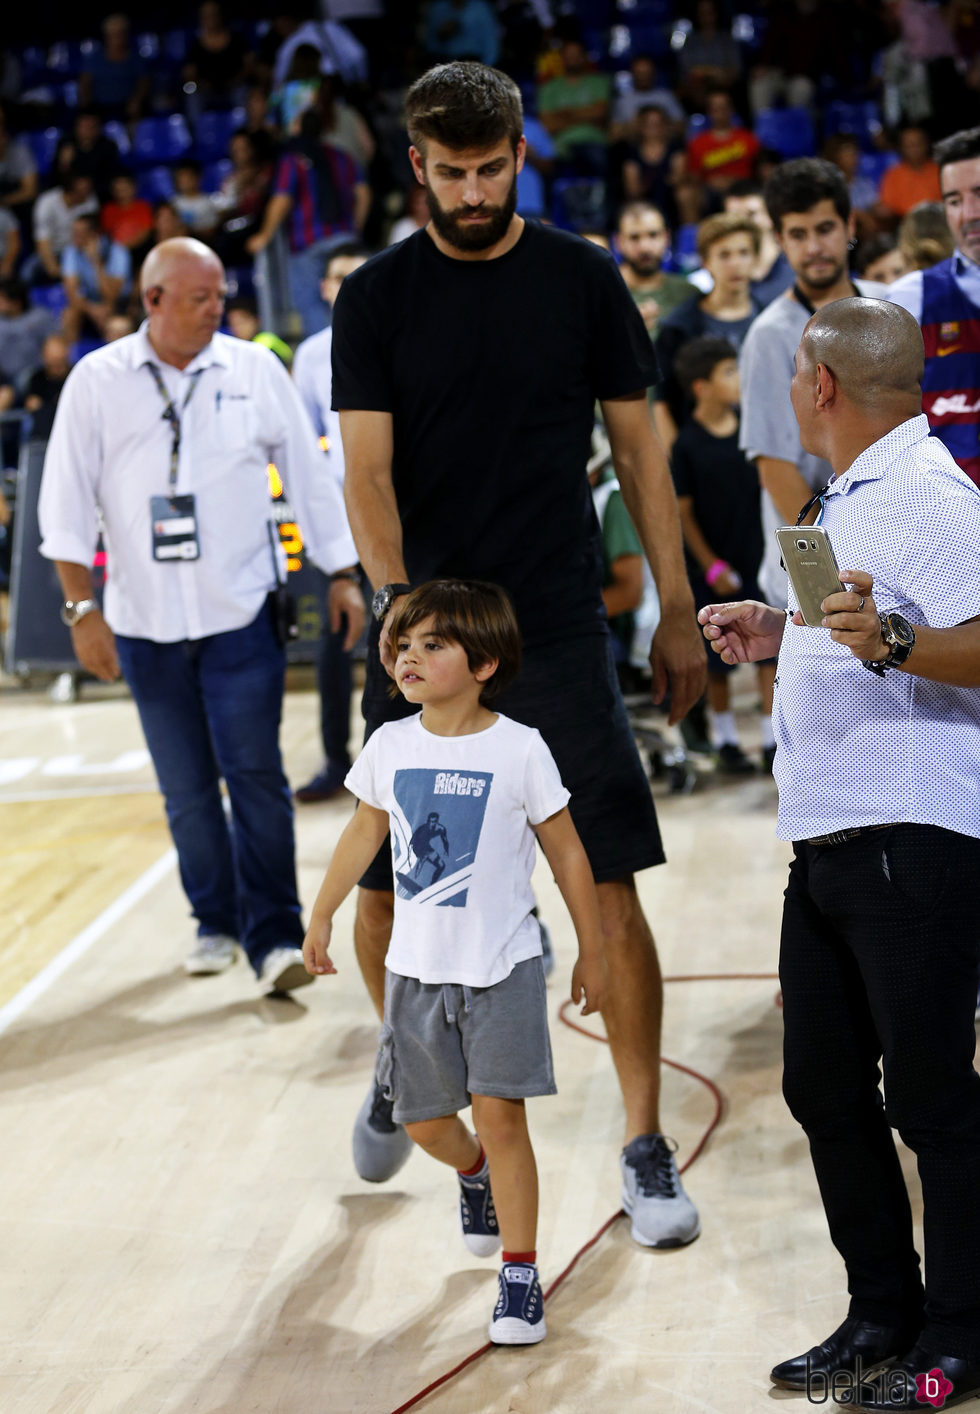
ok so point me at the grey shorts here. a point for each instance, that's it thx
(442, 1042)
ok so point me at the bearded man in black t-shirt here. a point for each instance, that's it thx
(466, 365)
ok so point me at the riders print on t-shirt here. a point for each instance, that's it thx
(435, 829)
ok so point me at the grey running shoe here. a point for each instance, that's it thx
(283, 970)
(380, 1146)
(662, 1213)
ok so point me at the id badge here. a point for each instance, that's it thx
(174, 523)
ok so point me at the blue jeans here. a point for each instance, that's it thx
(210, 710)
(333, 675)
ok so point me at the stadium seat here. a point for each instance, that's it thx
(42, 145)
(579, 203)
(119, 134)
(161, 139)
(213, 133)
(861, 120)
(874, 165)
(49, 297)
(788, 130)
(155, 184)
(214, 174)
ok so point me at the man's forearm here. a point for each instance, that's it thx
(376, 526)
(785, 485)
(76, 580)
(946, 655)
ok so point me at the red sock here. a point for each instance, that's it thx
(530, 1258)
(471, 1173)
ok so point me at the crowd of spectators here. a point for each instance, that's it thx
(289, 130)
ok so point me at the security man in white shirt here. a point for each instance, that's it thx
(164, 438)
(877, 723)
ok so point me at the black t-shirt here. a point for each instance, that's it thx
(724, 488)
(491, 369)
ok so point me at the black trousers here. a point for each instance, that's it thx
(878, 964)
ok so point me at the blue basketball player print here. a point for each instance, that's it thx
(435, 829)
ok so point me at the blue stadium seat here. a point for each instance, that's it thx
(788, 130)
(214, 174)
(161, 140)
(579, 203)
(84, 346)
(155, 184)
(861, 120)
(148, 45)
(213, 133)
(49, 297)
(697, 124)
(175, 44)
(42, 146)
(119, 134)
(874, 165)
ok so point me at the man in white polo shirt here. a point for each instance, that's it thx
(877, 719)
(165, 436)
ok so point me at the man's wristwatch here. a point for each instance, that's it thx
(899, 636)
(72, 610)
(385, 597)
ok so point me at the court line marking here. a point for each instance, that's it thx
(81, 943)
(27, 797)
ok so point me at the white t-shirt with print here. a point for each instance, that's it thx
(460, 810)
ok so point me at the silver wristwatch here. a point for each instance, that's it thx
(72, 610)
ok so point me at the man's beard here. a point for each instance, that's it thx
(824, 282)
(645, 266)
(458, 233)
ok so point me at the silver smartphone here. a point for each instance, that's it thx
(812, 568)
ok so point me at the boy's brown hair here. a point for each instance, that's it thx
(717, 228)
(464, 105)
(476, 615)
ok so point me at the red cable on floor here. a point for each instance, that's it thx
(715, 1120)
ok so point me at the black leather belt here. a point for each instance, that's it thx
(841, 836)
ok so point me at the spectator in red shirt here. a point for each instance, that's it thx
(912, 180)
(128, 219)
(725, 153)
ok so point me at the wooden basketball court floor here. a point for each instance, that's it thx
(181, 1225)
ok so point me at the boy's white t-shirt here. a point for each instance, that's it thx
(460, 810)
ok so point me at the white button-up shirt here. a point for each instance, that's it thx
(313, 376)
(859, 749)
(109, 453)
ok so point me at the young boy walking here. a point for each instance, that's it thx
(463, 791)
(718, 500)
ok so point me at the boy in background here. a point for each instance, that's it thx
(718, 500)
(464, 790)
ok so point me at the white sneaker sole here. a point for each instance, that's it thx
(661, 1244)
(289, 979)
(209, 967)
(512, 1331)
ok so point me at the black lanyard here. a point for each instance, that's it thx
(817, 496)
(809, 306)
(170, 415)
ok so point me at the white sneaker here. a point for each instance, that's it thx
(283, 970)
(211, 953)
(662, 1213)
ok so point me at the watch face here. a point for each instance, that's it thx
(900, 631)
(381, 602)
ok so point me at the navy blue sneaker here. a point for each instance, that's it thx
(518, 1317)
(477, 1216)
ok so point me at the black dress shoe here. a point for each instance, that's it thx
(854, 1340)
(914, 1383)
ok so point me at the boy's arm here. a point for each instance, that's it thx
(725, 580)
(356, 847)
(570, 866)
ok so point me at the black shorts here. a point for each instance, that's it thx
(569, 691)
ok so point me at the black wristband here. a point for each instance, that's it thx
(353, 575)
